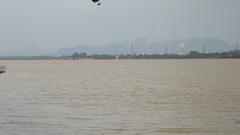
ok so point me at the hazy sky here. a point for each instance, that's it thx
(52, 24)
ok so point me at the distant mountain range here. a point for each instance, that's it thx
(140, 46)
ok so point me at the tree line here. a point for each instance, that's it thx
(84, 55)
(190, 55)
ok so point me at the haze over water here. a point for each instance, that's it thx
(128, 97)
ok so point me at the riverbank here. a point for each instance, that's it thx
(76, 56)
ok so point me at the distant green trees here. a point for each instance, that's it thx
(231, 54)
(76, 55)
(83, 55)
(191, 55)
(224, 55)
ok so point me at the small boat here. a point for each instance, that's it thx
(2, 69)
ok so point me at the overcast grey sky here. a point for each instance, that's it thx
(62, 23)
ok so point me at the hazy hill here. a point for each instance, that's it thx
(144, 46)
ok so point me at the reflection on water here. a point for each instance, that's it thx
(154, 97)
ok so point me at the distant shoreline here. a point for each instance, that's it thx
(12, 59)
(80, 56)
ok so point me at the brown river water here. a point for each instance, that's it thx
(124, 97)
